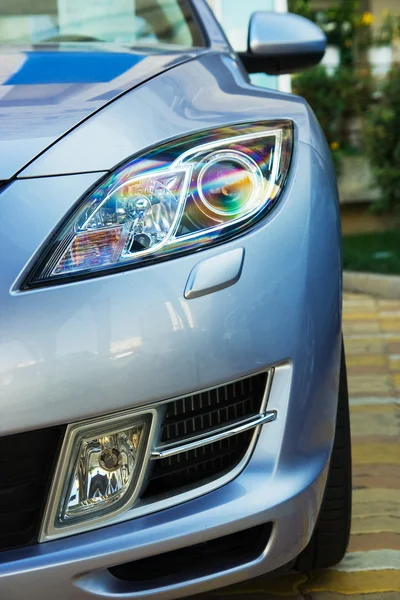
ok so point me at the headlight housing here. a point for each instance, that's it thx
(176, 198)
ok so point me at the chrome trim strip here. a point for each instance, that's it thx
(203, 436)
(197, 441)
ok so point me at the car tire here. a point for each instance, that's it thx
(330, 538)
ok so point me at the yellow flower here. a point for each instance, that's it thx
(367, 19)
(335, 146)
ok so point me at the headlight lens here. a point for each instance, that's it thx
(179, 197)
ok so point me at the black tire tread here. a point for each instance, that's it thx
(331, 535)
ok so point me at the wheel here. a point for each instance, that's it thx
(330, 538)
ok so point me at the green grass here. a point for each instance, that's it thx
(372, 252)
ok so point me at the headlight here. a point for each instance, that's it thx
(179, 197)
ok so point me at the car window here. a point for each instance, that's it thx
(127, 22)
(235, 18)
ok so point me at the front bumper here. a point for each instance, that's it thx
(268, 490)
(91, 348)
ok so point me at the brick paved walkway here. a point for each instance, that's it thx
(371, 569)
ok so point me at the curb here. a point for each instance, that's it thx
(383, 286)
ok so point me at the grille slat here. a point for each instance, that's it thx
(26, 466)
(218, 407)
(201, 560)
(200, 414)
(189, 468)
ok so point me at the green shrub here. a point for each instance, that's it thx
(321, 92)
(382, 142)
(338, 20)
(335, 99)
(356, 89)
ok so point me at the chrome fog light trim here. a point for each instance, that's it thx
(210, 438)
(136, 503)
(99, 472)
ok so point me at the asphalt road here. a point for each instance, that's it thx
(371, 569)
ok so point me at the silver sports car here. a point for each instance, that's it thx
(173, 397)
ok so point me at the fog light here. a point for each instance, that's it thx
(104, 472)
(99, 472)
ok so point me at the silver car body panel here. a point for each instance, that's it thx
(78, 350)
(206, 92)
(45, 91)
(127, 340)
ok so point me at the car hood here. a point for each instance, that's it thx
(47, 90)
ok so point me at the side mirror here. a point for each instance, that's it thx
(281, 43)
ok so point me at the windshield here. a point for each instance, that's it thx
(127, 22)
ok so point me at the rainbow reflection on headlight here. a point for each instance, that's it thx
(229, 183)
(181, 196)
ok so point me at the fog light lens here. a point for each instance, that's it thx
(104, 472)
(100, 468)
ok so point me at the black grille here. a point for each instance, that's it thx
(191, 562)
(26, 466)
(203, 413)
(215, 408)
(197, 466)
